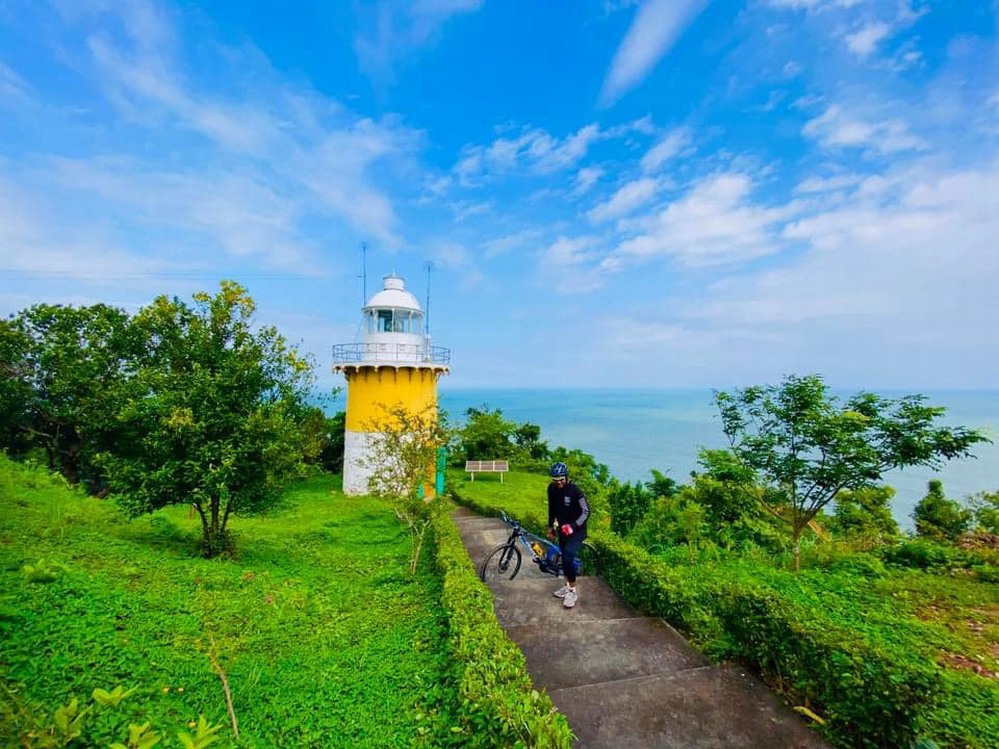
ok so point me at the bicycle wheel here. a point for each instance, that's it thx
(502, 563)
(589, 557)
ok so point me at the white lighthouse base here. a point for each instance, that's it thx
(357, 451)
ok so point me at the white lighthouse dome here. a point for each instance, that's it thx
(393, 296)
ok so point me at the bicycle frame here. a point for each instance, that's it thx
(503, 561)
(548, 559)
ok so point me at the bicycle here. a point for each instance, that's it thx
(503, 562)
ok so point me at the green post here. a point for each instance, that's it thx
(441, 466)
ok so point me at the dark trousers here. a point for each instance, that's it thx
(570, 546)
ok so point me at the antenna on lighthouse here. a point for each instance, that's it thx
(364, 273)
(426, 312)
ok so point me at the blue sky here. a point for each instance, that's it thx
(612, 194)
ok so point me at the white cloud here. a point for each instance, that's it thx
(306, 143)
(898, 265)
(394, 30)
(511, 242)
(827, 184)
(534, 149)
(626, 200)
(713, 224)
(463, 209)
(585, 179)
(569, 265)
(657, 26)
(14, 90)
(834, 128)
(812, 5)
(863, 43)
(668, 148)
(791, 69)
(38, 241)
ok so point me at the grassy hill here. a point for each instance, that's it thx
(322, 635)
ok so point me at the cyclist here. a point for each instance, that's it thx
(568, 512)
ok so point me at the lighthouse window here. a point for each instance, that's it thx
(385, 321)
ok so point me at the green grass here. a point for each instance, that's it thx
(521, 495)
(325, 638)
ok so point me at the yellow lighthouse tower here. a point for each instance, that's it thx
(393, 364)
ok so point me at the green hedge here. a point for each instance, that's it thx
(870, 694)
(499, 705)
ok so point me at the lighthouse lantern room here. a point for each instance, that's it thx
(394, 364)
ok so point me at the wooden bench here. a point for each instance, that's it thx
(486, 466)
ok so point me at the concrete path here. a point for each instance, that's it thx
(625, 681)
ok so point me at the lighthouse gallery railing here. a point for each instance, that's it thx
(390, 353)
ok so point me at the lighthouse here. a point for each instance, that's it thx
(393, 365)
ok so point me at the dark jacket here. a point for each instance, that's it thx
(567, 504)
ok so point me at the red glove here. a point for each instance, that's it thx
(567, 529)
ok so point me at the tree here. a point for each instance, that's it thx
(485, 436)
(402, 459)
(64, 368)
(629, 503)
(985, 505)
(804, 447)
(940, 518)
(866, 513)
(210, 416)
(15, 388)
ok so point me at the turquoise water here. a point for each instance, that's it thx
(634, 431)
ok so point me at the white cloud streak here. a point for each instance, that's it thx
(657, 26)
(668, 148)
(626, 200)
(835, 128)
(863, 43)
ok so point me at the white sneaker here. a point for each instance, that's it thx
(561, 592)
(570, 599)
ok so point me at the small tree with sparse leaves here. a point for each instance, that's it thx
(402, 459)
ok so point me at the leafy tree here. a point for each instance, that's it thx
(628, 505)
(402, 460)
(322, 437)
(985, 505)
(866, 513)
(66, 367)
(486, 435)
(805, 447)
(527, 437)
(630, 502)
(675, 520)
(726, 487)
(210, 415)
(15, 387)
(938, 517)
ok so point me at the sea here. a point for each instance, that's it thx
(633, 431)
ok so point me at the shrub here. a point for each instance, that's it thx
(865, 513)
(628, 505)
(872, 694)
(922, 554)
(939, 517)
(499, 706)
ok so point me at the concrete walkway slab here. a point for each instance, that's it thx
(529, 600)
(706, 708)
(592, 654)
(625, 681)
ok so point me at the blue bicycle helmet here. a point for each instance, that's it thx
(558, 470)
